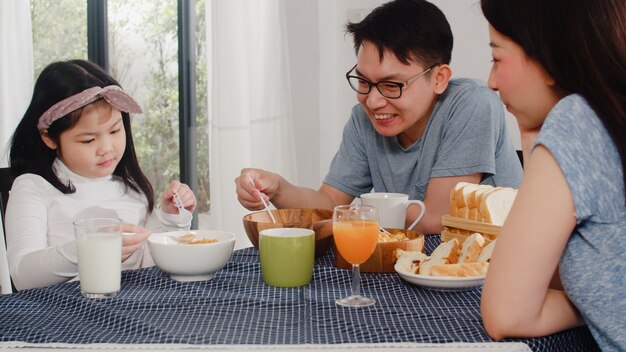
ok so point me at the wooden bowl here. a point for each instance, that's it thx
(318, 220)
(384, 257)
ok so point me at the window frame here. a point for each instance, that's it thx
(97, 49)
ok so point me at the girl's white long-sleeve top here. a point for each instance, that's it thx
(41, 244)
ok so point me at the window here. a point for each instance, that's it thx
(54, 39)
(143, 41)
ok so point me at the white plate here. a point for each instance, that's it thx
(441, 283)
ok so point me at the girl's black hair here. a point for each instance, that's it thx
(413, 30)
(581, 44)
(28, 152)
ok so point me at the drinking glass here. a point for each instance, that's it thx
(355, 232)
(99, 246)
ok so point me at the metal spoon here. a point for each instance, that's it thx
(186, 238)
(178, 202)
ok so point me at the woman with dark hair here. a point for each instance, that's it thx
(74, 157)
(560, 68)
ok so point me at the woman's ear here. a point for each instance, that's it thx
(442, 74)
(551, 83)
(47, 140)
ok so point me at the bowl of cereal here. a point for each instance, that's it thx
(191, 255)
(384, 257)
(318, 220)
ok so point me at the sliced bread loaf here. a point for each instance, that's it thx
(461, 193)
(495, 206)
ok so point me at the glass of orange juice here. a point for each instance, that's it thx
(355, 230)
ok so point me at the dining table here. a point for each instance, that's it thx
(236, 310)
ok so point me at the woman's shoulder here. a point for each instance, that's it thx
(573, 105)
(572, 115)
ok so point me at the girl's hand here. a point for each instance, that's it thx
(187, 198)
(132, 239)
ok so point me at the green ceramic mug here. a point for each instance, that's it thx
(287, 256)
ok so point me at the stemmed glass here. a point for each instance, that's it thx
(355, 230)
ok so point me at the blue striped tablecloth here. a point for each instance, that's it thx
(237, 308)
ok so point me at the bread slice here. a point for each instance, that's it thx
(472, 200)
(496, 205)
(460, 269)
(472, 248)
(480, 201)
(462, 213)
(461, 193)
(417, 244)
(424, 268)
(456, 198)
(447, 250)
(453, 195)
(410, 261)
(445, 253)
(485, 255)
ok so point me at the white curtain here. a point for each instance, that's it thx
(16, 81)
(249, 101)
(16, 67)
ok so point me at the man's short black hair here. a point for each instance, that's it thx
(413, 30)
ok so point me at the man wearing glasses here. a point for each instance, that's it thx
(415, 131)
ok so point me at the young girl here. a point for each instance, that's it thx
(560, 68)
(74, 154)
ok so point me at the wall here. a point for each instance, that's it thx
(321, 54)
(303, 36)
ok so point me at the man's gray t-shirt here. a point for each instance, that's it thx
(465, 134)
(592, 268)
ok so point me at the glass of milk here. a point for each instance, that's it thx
(99, 246)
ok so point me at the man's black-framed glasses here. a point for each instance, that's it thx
(388, 89)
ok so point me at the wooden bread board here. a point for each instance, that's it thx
(459, 228)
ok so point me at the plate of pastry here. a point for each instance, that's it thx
(450, 267)
(441, 283)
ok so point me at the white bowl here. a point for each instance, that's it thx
(191, 262)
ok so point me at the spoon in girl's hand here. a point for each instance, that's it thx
(188, 237)
(178, 202)
(263, 201)
(185, 238)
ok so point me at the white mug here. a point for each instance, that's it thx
(392, 208)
